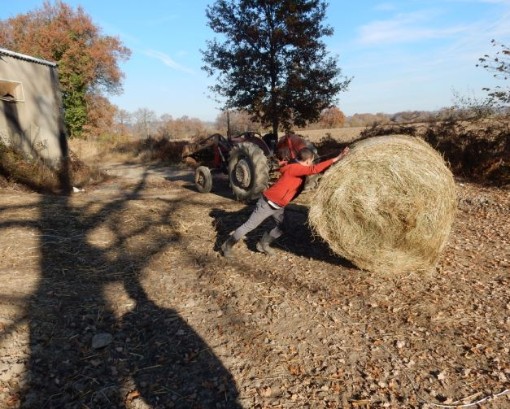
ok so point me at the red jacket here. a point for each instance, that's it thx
(292, 178)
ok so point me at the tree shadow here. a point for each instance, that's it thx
(220, 186)
(83, 355)
(168, 362)
(298, 238)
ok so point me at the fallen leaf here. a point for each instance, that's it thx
(132, 395)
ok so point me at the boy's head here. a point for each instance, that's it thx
(305, 155)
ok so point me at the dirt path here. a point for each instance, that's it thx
(117, 297)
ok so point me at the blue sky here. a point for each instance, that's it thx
(402, 54)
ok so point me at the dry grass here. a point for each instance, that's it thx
(95, 152)
(388, 206)
(86, 150)
(17, 172)
(477, 153)
(340, 134)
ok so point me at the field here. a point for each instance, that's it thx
(117, 297)
(339, 134)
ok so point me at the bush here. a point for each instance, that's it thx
(328, 145)
(160, 150)
(17, 171)
(477, 150)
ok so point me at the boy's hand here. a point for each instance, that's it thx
(342, 154)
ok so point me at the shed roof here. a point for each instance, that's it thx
(24, 57)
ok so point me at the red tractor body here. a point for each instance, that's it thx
(249, 160)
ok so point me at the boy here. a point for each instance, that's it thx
(274, 199)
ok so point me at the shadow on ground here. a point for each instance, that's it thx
(298, 238)
(82, 353)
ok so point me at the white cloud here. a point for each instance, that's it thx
(404, 28)
(168, 61)
(504, 2)
(385, 7)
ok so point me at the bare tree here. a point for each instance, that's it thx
(499, 66)
(237, 122)
(144, 123)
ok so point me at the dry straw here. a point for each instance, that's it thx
(388, 206)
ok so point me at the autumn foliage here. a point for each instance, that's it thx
(87, 60)
(332, 118)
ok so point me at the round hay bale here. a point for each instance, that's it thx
(388, 206)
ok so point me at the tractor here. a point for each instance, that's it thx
(250, 160)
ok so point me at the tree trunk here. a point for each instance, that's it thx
(275, 126)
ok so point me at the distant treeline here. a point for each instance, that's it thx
(145, 123)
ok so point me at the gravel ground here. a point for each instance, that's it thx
(118, 297)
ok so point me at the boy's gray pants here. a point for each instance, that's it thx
(261, 212)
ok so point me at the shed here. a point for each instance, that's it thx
(32, 114)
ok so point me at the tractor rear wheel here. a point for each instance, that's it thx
(248, 171)
(203, 179)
